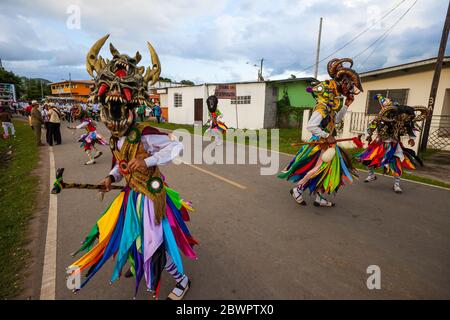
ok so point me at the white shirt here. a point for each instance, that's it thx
(162, 150)
(313, 125)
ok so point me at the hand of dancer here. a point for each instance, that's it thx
(136, 164)
(106, 184)
(330, 139)
(411, 142)
(349, 100)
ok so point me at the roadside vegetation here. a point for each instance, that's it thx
(18, 191)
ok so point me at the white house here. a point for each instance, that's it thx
(253, 108)
(408, 84)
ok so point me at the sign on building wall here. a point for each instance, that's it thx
(225, 91)
(7, 92)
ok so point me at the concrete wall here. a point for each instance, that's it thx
(270, 109)
(185, 113)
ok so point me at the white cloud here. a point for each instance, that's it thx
(210, 40)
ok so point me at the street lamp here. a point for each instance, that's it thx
(260, 69)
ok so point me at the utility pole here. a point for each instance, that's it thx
(42, 91)
(316, 69)
(260, 78)
(435, 83)
(70, 85)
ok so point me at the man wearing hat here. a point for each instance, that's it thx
(36, 121)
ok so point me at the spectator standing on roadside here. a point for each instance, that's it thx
(45, 118)
(54, 125)
(5, 117)
(36, 122)
(157, 112)
(141, 112)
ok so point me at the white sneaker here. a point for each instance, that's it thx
(92, 161)
(180, 289)
(397, 188)
(297, 194)
(370, 178)
(98, 154)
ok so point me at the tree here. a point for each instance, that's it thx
(187, 82)
(10, 77)
(162, 79)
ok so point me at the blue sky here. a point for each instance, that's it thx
(212, 40)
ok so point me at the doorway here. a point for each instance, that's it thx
(198, 110)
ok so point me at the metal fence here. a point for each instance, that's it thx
(439, 137)
(359, 121)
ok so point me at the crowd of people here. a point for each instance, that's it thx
(49, 114)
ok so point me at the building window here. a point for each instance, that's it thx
(178, 100)
(396, 95)
(242, 100)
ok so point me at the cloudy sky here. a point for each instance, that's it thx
(217, 40)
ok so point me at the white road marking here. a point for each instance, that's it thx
(48, 286)
(240, 186)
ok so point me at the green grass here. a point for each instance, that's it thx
(287, 136)
(293, 135)
(18, 191)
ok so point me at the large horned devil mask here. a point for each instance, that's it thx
(120, 85)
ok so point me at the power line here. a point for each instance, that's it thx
(358, 35)
(384, 35)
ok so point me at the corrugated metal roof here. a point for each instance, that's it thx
(400, 67)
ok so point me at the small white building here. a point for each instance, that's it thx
(254, 106)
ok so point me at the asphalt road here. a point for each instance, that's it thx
(257, 243)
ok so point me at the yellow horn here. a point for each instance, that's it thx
(152, 73)
(93, 62)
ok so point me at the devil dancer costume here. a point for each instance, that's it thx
(216, 127)
(145, 224)
(91, 137)
(321, 166)
(387, 150)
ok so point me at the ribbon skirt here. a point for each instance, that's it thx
(309, 171)
(128, 231)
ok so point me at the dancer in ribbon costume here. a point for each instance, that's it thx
(321, 166)
(216, 127)
(145, 224)
(392, 123)
(91, 137)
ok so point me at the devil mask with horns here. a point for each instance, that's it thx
(344, 82)
(395, 121)
(120, 85)
(347, 79)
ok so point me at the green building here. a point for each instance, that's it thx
(295, 89)
(292, 99)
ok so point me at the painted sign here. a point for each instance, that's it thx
(225, 91)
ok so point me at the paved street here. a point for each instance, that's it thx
(257, 243)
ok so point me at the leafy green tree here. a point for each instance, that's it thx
(187, 82)
(26, 88)
(10, 77)
(162, 79)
